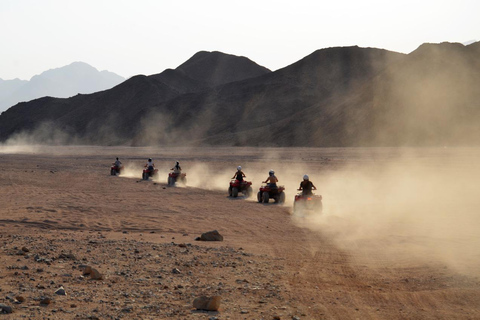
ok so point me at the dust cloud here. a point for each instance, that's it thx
(415, 208)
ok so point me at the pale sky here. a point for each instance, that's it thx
(149, 36)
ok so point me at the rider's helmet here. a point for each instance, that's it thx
(271, 172)
(305, 177)
(149, 159)
(117, 158)
(239, 168)
(177, 163)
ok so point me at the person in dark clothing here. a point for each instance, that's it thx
(239, 175)
(306, 186)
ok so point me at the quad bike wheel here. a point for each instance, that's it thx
(144, 176)
(170, 181)
(265, 197)
(112, 172)
(259, 196)
(230, 191)
(234, 192)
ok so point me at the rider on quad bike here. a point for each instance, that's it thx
(239, 175)
(176, 168)
(306, 202)
(306, 186)
(271, 180)
(237, 184)
(149, 170)
(177, 175)
(116, 167)
(150, 165)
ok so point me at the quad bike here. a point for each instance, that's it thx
(307, 203)
(114, 170)
(149, 172)
(267, 192)
(174, 177)
(237, 186)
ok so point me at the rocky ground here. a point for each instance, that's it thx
(61, 212)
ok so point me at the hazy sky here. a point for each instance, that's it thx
(149, 36)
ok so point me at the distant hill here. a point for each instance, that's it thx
(63, 82)
(345, 96)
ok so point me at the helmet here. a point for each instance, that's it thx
(117, 158)
(149, 159)
(271, 172)
(239, 168)
(305, 177)
(177, 162)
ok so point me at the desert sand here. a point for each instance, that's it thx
(397, 239)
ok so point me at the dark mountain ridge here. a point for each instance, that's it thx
(347, 96)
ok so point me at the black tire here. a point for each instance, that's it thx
(230, 191)
(112, 172)
(281, 198)
(265, 197)
(259, 196)
(170, 181)
(234, 192)
(144, 176)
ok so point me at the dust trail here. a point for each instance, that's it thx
(410, 210)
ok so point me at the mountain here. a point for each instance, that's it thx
(334, 97)
(63, 82)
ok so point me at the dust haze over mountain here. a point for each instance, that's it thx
(346, 96)
(64, 82)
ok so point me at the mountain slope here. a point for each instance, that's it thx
(63, 82)
(346, 96)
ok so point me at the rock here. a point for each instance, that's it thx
(211, 236)
(176, 271)
(207, 303)
(20, 299)
(87, 270)
(25, 249)
(66, 256)
(61, 291)
(95, 274)
(45, 301)
(5, 309)
(244, 311)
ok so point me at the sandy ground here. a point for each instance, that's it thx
(397, 239)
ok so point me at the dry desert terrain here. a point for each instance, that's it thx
(397, 239)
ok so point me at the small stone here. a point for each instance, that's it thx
(5, 309)
(211, 236)
(96, 275)
(207, 303)
(45, 301)
(25, 249)
(20, 299)
(60, 291)
(87, 270)
(176, 271)
(244, 311)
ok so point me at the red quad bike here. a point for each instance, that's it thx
(114, 170)
(307, 203)
(266, 193)
(173, 177)
(236, 186)
(149, 172)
